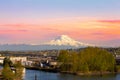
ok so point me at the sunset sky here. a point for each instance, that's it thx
(36, 21)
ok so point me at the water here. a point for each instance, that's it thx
(41, 75)
(30, 75)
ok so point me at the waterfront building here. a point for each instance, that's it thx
(1, 59)
(21, 59)
(53, 63)
(29, 63)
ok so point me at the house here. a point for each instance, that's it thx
(53, 63)
(29, 63)
(21, 59)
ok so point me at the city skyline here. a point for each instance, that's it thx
(37, 21)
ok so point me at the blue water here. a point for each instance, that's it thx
(30, 75)
(41, 75)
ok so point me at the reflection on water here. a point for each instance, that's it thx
(30, 75)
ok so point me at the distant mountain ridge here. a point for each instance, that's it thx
(61, 42)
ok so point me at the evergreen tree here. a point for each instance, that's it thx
(7, 73)
(19, 70)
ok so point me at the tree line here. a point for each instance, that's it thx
(90, 59)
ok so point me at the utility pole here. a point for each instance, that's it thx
(35, 77)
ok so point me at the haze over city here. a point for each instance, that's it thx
(37, 21)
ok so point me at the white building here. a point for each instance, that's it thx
(1, 59)
(21, 59)
(28, 63)
(53, 63)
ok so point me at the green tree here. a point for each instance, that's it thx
(64, 59)
(87, 60)
(7, 61)
(19, 70)
(7, 73)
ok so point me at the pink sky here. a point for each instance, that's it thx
(93, 31)
(37, 21)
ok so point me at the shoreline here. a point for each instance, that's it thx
(55, 70)
(95, 73)
(89, 73)
(44, 69)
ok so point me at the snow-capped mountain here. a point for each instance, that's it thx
(61, 42)
(65, 40)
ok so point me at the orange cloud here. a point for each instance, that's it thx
(109, 21)
(89, 30)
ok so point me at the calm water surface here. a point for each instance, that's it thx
(30, 75)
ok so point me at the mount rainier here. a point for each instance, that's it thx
(65, 40)
(61, 42)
